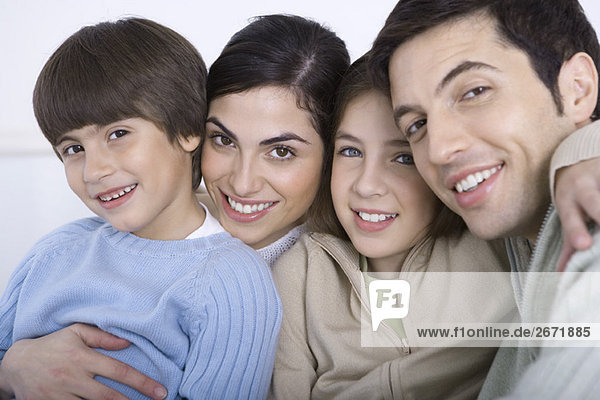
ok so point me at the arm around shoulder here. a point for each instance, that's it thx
(234, 324)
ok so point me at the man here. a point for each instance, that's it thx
(485, 91)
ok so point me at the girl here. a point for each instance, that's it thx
(395, 225)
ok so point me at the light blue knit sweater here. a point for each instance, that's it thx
(202, 314)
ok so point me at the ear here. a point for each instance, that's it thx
(189, 143)
(578, 85)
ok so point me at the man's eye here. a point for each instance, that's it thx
(475, 92)
(415, 127)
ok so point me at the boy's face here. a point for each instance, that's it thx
(473, 111)
(379, 197)
(129, 174)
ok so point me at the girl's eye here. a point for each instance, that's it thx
(117, 134)
(74, 149)
(474, 92)
(350, 152)
(415, 127)
(221, 140)
(282, 153)
(405, 159)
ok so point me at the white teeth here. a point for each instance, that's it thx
(117, 195)
(472, 181)
(375, 217)
(247, 208)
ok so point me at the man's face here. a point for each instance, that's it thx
(481, 124)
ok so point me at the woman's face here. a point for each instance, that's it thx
(261, 163)
(379, 197)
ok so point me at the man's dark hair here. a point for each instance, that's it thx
(550, 32)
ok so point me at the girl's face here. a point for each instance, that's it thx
(378, 195)
(261, 163)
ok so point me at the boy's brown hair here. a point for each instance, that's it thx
(130, 68)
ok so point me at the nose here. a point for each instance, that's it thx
(98, 165)
(245, 177)
(447, 137)
(371, 179)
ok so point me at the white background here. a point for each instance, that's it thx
(34, 196)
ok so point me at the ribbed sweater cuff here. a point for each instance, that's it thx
(581, 145)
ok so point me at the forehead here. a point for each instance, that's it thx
(429, 57)
(369, 116)
(263, 112)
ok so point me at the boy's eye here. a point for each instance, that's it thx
(350, 152)
(74, 149)
(117, 134)
(282, 153)
(405, 159)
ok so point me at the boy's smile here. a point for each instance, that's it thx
(116, 197)
(130, 174)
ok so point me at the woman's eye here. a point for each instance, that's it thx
(221, 140)
(405, 159)
(282, 153)
(74, 149)
(117, 134)
(350, 152)
(475, 92)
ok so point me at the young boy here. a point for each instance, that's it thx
(123, 105)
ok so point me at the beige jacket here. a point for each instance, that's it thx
(320, 354)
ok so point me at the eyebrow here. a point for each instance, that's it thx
(461, 69)
(64, 138)
(284, 137)
(346, 136)
(450, 76)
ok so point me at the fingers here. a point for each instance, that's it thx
(113, 369)
(118, 371)
(577, 199)
(62, 366)
(566, 253)
(95, 337)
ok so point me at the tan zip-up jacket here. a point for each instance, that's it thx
(320, 354)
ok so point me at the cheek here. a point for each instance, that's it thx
(422, 200)
(340, 181)
(74, 177)
(209, 162)
(299, 184)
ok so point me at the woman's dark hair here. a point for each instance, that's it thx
(550, 32)
(357, 82)
(285, 51)
(125, 69)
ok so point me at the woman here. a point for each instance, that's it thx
(270, 96)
